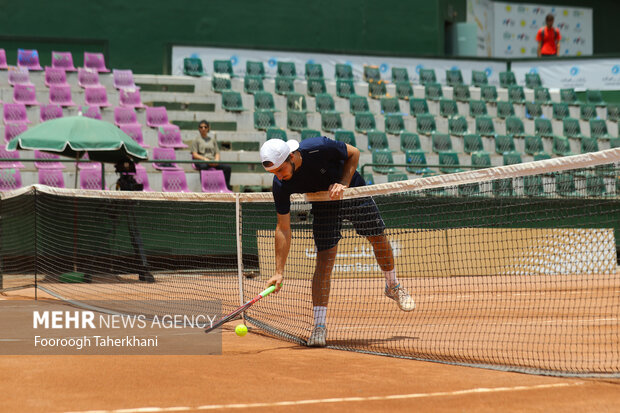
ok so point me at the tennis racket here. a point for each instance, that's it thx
(241, 309)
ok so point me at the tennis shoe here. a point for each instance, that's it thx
(401, 296)
(318, 337)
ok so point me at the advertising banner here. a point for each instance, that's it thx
(601, 74)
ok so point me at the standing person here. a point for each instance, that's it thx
(205, 148)
(322, 164)
(548, 38)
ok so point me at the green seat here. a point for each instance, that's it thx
(254, 68)
(284, 85)
(365, 122)
(507, 79)
(400, 74)
(516, 94)
(503, 187)
(314, 71)
(461, 93)
(394, 124)
(192, 66)
(477, 108)
(533, 145)
(481, 159)
(223, 67)
(371, 73)
(309, 133)
(416, 163)
(369, 179)
(433, 91)
(441, 142)
(324, 103)
(418, 107)
(589, 145)
(276, 133)
(454, 77)
(458, 126)
(613, 112)
(331, 121)
(533, 185)
(404, 90)
(505, 109)
(472, 142)
(565, 184)
(344, 72)
(449, 163)
(296, 102)
(296, 120)
(346, 136)
(231, 101)
(595, 97)
(542, 96)
(358, 104)
(614, 143)
(264, 101)
(532, 110)
(397, 176)
(571, 128)
(488, 93)
(532, 80)
(377, 140)
(427, 76)
(377, 90)
(345, 88)
(569, 97)
(471, 189)
(220, 83)
(587, 111)
(561, 146)
(484, 126)
(479, 78)
(389, 105)
(384, 161)
(286, 70)
(598, 129)
(264, 119)
(315, 87)
(511, 158)
(425, 124)
(253, 84)
(595, 186)
(504, 144)
(543, 127)
(410, 141)
(542, 156)
(515, 127)
(448, 108)
(560, 111)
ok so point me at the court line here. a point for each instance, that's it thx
(337, 400)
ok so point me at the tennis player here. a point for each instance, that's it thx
(322, 164)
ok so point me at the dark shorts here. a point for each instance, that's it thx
(362, 212)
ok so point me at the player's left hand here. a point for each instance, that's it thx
(336, 190)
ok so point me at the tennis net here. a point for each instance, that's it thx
(511, 268)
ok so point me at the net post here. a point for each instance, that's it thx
(239, 247)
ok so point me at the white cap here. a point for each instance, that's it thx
(277, 151)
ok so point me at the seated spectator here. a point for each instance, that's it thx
(205, 148)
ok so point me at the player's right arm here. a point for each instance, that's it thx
(283, 245)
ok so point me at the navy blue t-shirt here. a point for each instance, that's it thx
(322, 163)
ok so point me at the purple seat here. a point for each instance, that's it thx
(47, 165)
(131, 98)
(96, 96)
(90, 178)
(51, 177)
(88, 77)
(142, 177)
(10, 179)
(63, 60)
(93, 112)
(4, 154)
(173, 181)
(167, 154)
(156, 116)
(125, 116)
(3, 64)
(11, 130)
(61, 95)
(55, 76)
(29, 59)
(95, 61)
(169, 136)
(15, 113)
(213, 180)
(19, 76)
(89, 165)
(123, 79)
(134, 130)
(25, 94)
(50, 111)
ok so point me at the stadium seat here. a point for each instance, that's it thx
(515, 127)
(504, 144)
(477, 108)
(95, 61)
(314, 71)
(50, 111)
(309, 133)
(345, 88)
(504, 109)
(28, 58)
(433, 91)
(88, 77)
(51, 177)
(254, 68)
(220, 82)
(52, 164)
(61, 95)
(369, 179)
(400, 74)
(331, 121)
(472, 142)
(125, 116)
(25, 94)
(561, 146)
(324, 103)
(410, 141)
(488, 93)
(253, 84)
(296, 120)
(533, 185)
(3, 63)
(560, 111)
(344, 72)
(63, 60)
(449, 163)
(96, 96)
(441, 142)
(516, 94)
(19, 76)
(394, 124)
(10, 179)
(448, 108)
(533, 145)
(123, 79)
(93, 112)
(614, 143)
(264, 119)
(587, 111)
(11, 130)
(13, 156)
(426, 124)
(416, 163)
(598, 129)
(365, 122)
(502, 187)
(479, 78)
(454, 77)
(134, 131)
(427, 76)
(156, 116)
(286, 70)
(595, 186)
(223, 67)
(169, 136)
(231, 101)
(358, 104)
(541, 156)
(461, 93)
(471, 189)
(164, 154)
(481, 159)
(595, 97)
(377, 140)
(377, 90)
(507, 79)
(384, 161)
(192, 66)
(543, 128)
(404, 90)
(346, 136)
(418, 107)
(315, 87)
(613, 112)
(511, 158)
(142, 177)
(589, 145)
(532, 80)
(484, 126)
(571, 128)
(532, 110)
(276, 133)
(284, 85)
(389, 105)
(565, 184)
(173, 181)
(15, 113)
(54, 76)
(542, 96)
(131, 98)
(213, 180)
(569, 97)
(371, 74)
(397, 176)
(458, 126)
(264, 101)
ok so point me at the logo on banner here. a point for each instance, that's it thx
(577, 13)
(507, 36)
(522, 9)
(234, 59)
(533, 70)
(563, 26)
(615, 69)
(310, 61)
(579, 40)
(508, 22)
(565, 12)
(613, 79)
(523, 23)
(508, 7)
(383, 68)
(272, 62)
(488, 71)
(508, 50)
(577, 28)
(534, 25)
(538, 10)
(418, 68)
(574, 71)
(523, 37)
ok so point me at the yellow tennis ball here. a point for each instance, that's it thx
(241, 330)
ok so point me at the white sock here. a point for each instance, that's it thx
(320, 312)
(390, 277)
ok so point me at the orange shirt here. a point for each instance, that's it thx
(549, 41)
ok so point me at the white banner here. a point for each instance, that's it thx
(270, 58)
(601, 74)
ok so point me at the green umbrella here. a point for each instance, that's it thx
(75, 136)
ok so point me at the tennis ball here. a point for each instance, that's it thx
(241, 330)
